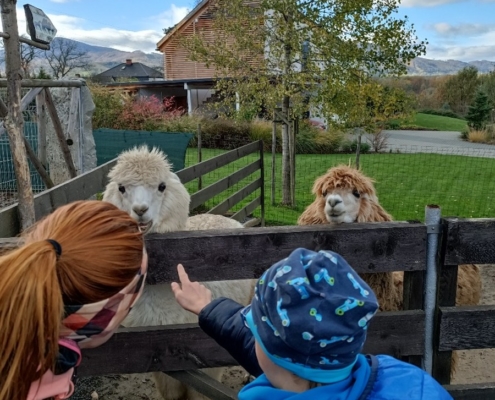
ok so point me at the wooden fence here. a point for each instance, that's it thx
(244, 254)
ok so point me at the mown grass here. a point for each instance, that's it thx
(406, 183)
(439, 122)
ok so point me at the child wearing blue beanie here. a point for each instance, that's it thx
(303, 333)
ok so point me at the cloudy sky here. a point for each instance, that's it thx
(456, 29)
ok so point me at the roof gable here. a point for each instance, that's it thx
(196, 11)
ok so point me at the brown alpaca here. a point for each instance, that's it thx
(345, 195)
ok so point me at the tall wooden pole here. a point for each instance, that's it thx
(14, 121)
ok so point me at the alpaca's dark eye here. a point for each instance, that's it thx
(324, 193)
(161, 187)
(356, 194)
(121, 189)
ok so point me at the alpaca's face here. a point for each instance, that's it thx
(341, 205)
(153, 203)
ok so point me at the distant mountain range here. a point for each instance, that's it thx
(425, 66)
(103, 58)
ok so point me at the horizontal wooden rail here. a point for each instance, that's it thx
(237, 197)
(202, 168)
(81, 187)
(476, 391)
(464, 328)
(246, 211)
(185, 347)
(203, 195)
(469, 241)
(247, 253)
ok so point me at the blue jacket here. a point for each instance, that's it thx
(395, 380)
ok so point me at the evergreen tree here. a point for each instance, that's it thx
(479, 111)
(42, 74)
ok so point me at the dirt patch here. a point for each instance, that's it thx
(138, 386)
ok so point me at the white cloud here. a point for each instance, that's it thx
(427, 3)
(171, 16)
(444, 29)
(125, 40)
(462, 53)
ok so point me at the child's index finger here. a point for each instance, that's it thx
(183, 277)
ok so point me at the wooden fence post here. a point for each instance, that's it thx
(274, 149)
(14, 120)
(60, 133)
(262, 188)
(446, 295)
(200, 156)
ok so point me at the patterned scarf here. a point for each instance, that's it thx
(91, 325)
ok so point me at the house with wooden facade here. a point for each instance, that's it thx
(198, 78)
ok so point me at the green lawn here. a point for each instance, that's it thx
(462, 186)
(440, 123)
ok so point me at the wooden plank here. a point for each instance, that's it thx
(262, 176)
(236, 198)
(246, 253)
(29, 97)
(202, 168)
(79, 188)
(185, 347)
(476, 391)
(72, 125)
(242, 214)
(470, 241)
(45, 83)
(60, 134)
(204, 384)
(40, 168)
(413, 299)
(202, 196)
(41, 117)
(468, 327)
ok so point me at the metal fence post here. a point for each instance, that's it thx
(432, 220)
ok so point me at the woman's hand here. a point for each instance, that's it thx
(192, 296)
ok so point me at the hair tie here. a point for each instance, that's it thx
(56, 247)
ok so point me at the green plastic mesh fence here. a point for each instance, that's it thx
(111, 142)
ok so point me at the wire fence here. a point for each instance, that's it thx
(407, 178)
(8, 185)
(461, 180)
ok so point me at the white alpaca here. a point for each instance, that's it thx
(143, 184)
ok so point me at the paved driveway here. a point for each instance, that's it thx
(443, 142)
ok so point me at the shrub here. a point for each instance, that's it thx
(351, 147)
(478, 136)
(378, 140)
(443, 113)
(109, 107)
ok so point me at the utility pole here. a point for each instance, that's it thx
(14, 120)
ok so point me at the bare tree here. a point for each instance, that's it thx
(64, 56)
(28, 54)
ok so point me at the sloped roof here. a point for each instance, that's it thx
(193, 14)
(134, 70)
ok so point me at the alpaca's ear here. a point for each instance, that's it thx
(175, 177)
(318, 185)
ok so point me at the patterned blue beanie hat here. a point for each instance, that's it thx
(310, 313)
